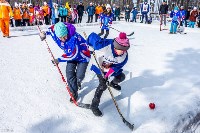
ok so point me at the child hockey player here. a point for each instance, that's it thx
(175, 15)
(106, 20)
(77, 54)
(112, 55)
(182, 18)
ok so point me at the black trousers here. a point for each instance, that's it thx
(11, 23)
(26, 21)
(46, 19)
(90, 18)
(96, 17)
(63, 18)
(79, 19)
(17, 22)
(56, 20)
(102, 87)
(102, 32)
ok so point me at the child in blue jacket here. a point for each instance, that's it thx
(106, 20)
(77, 54)
(111, 55)
(175, 15)
(134, 14)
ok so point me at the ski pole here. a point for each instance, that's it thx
(63, 78)
(131, 126)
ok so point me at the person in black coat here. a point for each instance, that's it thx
(117, 12)
(80, 9)
(127, 13)
(163, 12)
(187, 15)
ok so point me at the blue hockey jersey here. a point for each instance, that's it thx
(75, 47)
(106, 56)
(175, 17)
(106, 20)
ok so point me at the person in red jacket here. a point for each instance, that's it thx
(193, 17)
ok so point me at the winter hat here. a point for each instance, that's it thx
(16, 5)
(71, 9)
(108, 6)
(122, 42)
(60, 29)
(176, 8)
(195, 8)
(29, 4)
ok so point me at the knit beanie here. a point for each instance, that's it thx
(176, 8)
(122, 42)
(60, 29)
(108, 6)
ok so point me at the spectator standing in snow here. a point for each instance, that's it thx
(31, 16)
(56, 12)
(17, 15)
(46, 11)
(134, 14)
(98, 11)
(193, 17)
(187, 15)
(26, 15)
(77, 54)
(111, 55)
(127, 13)
(90, 11)
(5, 14)
(80, 9)
(63, 13)
(117, 12)
(145, 10)
(163, 13)
(113, 10)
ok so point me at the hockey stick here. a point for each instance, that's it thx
(63, 78)
(120, 31)
(161, 22)
(131, 126)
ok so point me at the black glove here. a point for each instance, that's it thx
(106, 79)
(91, 52)
(42, 35)
(56, 61)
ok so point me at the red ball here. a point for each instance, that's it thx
(152, 105)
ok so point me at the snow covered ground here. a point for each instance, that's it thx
(162, 68)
